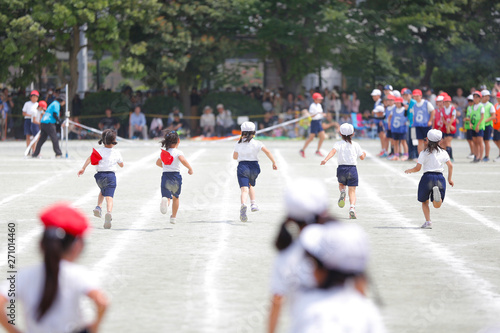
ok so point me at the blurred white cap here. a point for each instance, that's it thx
(247, 126)
(376, 92)
(470, 97)
(306, 198)
(339, 246)
(346, 129)
(439, 98)
(379, 108)
(396, 93)
(434, 135)
(485, 92)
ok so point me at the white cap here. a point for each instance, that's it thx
(305, 198)
(434, 135)
(247, 126)
(470, 97)
(339, 246)
(439, 98)
(376, 92)
(485, 93)
(346, 129)
(379, 108)
(219, 106)
(396, 93)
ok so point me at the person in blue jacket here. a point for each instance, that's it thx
(48, 126)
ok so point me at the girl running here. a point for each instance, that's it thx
(105, 160)
(347, 173)
(432, 184)
(316, 113)
(171, 180)
(397, 125)
(246, 151)
(51, 292)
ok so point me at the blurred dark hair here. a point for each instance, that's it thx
(108, 137)
(285, 238)
(170, 139)
(247, 135)
(347, 138)
(334, 277)
(433, 146)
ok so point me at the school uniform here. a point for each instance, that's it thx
(248, 162)
(106, 168)
(36, 118)
(316, 112)
(30, 109)
(347, 156)
(398, 124)
(65, 315)
(171, 179)
(489, 110)
(477, 111)
(467, 124)
(421, 116)
(445, 115)
(388, 112)
(433, 167)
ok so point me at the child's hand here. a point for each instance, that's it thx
(408, 171)
(190, 171)
(81, 172)
(275, 167)
(323, 162)
(451, 182)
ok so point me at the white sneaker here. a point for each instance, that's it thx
(352, 214)
(164, 205)
(427, 225)
(342, 199)
(497, 159)
(254, 208)
(107, 221)
(436, 194)
(172, 220)
(470, 156)
(97, 211)
(243, 213)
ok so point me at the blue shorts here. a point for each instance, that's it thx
(347, 175)
(380, 127)
(427, 182)
(445, 135)
(398, 136)
(479, 134)
(171, 184)
(422, 132)
(496, 135)
(34, 128)
(247, 173)
(488, 130)
(106, 180)
(316, 127)
(388, 134)
(27, 127)
(468, 134)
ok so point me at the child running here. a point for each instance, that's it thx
(347, 173)
(105, 160)
(246, 151)
(432, 184)
(171, 180)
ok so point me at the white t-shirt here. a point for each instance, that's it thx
(291, 270)
(248, 151)
(316, 111)
(347, 154)
(65, 314)
(447, 111)
(430, 107)
(339, 310)
(110, 159)
(36, 116)
(176, 164)
(30, 108)
(433, 162)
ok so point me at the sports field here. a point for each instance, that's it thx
(210, 272)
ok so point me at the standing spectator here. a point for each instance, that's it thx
(29, 109)
(302, 102)
(50, 96)
(354, 103)
(207, 122)
(48, 126)
(278, 103)
(109, 122)
(344, 107)
(7, 106)
(290, 102)
(138, 127)
(224, 121)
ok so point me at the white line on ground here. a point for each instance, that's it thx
(21, 245)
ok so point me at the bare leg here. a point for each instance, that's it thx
(486, 148)
(321, 136)
(175, 206)
(308, 141)
(405, 146)
(420, 146)
(498, 145)
(100, 199)
(244, 194)
(28, 140)
(341, 187)
(396, 144)
(437, 204)
(352, 195)
(427, 210)
(109, 204)
(381, 135)
(252, 193)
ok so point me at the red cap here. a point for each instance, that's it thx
(35, 92)
(417, 92)
(62, 215)
(447, 98)
(398, 100)
(391, 97)
(43, 105)
(317, 96)
(498, 94)
(477, 93)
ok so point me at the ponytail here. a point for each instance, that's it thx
(347, 138)
(247, 135)
(433, 146)
(108, 137)
(55, 242)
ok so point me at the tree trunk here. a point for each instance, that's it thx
(73, 63)
(289, 84)
(184, 81)
(429, 68)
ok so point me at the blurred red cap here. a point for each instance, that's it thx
(391, 97)
(417, 92)
(35, 92)
(447, 98)
(477, 93)
(317, 96)
(62, 215)
(43, 105)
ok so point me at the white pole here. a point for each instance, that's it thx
(67, 120)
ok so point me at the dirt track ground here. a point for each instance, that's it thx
(210, 272)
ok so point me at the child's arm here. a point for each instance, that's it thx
(389, 122)
(186, 164)
(363, 156)
(431, 119)
(158, 163)
(330, 155)
(415, 169)
(270, 156)
(450, 172)
(479, 122)
(235, 155)
(120, 164)
(85, 165)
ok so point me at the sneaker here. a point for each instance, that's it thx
(107, 221)
(243, 213)
(486, 159)
(319, 153)
(352, 214)
(405, 157)
(301, 152)
(254, 208)
(497, 159)
(394, 158)
(164, 205)
(427, 225)
(342, 199)
(470, 156)
(172, 219)
(436, 194)
(97, 211)
(476, 160)
(390, 156)
(381, 153)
